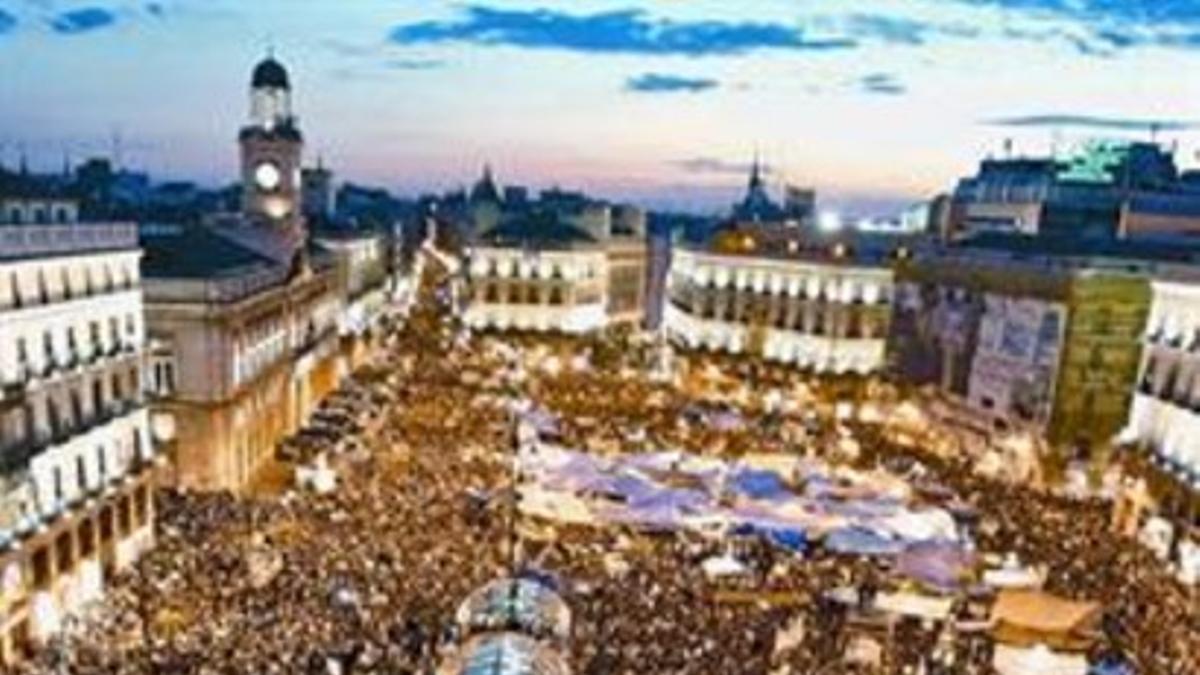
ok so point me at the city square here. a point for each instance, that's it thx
(868, 366)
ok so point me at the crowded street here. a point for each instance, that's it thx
(353, 552)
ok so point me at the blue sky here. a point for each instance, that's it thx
(873, 102)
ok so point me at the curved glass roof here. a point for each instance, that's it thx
(520, 605)
(507, 654)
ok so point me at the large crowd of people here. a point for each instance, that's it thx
(366, 577)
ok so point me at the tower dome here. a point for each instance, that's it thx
(270, 73)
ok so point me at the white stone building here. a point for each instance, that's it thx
(547, 290)
(1165, 415)
(829, 315)
(76, 469)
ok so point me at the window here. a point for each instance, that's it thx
(54, 418)
(17, 298)
(22, 356)
(39, 215)
(43, 290)
(130, 325)
(14, 216)
(102, 463)
(118, 392)
(66, 283)
(94, 335)
(62, 215)
(97, 396)
(48, 349)
(81, 473)
(76, 408)
(114, 334)
(58, 485)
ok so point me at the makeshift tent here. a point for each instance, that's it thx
(723, 566)
(914, 605)
(1036, 661)
(860, 541)
(759, 484)
(1026, 618)
(940, 566)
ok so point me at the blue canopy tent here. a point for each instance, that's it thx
(759, 484)
(859, 541)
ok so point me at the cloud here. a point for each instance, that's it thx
(82, 20)
(659, 83)
(882, 83)
(713, 165)
(7, 22)
(899, 30)
(1094, 122)
(1104, 27)
(414, 64)
(627, 31)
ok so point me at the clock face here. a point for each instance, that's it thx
(267, 176)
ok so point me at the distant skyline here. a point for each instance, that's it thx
(875, 103)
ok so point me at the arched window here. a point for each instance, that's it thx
(66, 282)
(39, 215)
(556, 295)
(15, 216)
(62, 215)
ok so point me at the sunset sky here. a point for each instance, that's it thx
(876, 103)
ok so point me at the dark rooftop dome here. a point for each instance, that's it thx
(270, 73)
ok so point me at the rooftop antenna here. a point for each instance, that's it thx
(24, 161)
(1155, 127)
(66, 161)
(1008, 148)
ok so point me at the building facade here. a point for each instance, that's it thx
(829, 315)
(1026, 343)
(244, 313)
(77, 465)
(1165, 417)
(561, 263)
(1102, 190)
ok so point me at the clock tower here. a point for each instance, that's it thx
(271, 144)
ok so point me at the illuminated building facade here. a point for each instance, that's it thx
(829, 314)
(244, 313)
(1165, 417)
(76, 458)
(563, 263)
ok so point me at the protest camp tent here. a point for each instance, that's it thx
(914, 605)
(860, 541)
(937, 565)
(1037, 660)
(759, 484)
(1025, 618)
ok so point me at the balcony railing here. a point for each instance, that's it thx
(43, 240)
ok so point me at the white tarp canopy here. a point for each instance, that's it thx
(914, 605)
(723, 566)
(1037, 660)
